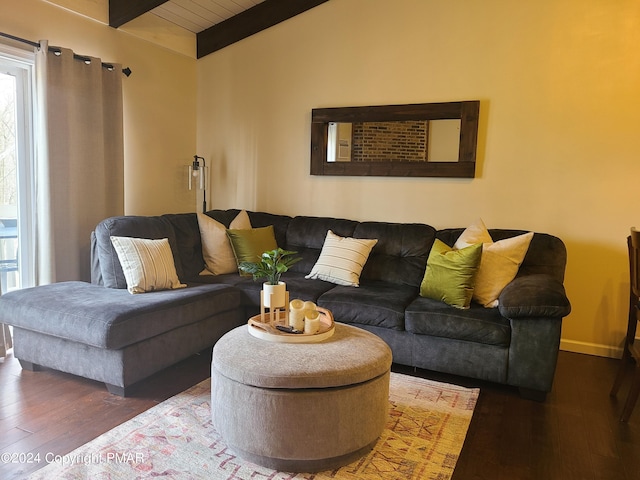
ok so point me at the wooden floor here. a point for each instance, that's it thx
(575, 434)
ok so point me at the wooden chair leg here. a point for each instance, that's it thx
(633, 396)
(626, 356)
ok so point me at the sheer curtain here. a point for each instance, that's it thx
(5, 334)
(79, 159)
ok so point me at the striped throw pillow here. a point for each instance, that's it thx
(147, 264)
(342, 259)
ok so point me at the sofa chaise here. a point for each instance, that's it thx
(100, 331)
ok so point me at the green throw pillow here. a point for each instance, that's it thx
(450, 274)
(249, 244)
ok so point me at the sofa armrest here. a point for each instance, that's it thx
(534, 305)
(96, 273)
(538, 295)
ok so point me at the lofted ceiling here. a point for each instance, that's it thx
(216, 23)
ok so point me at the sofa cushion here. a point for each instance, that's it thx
(306, 236)
(188, 245)
(425, 316)
(225, 217)
(297, 286)
(147, 265)
(401, 253)
(342, 259)
(450, 274)
(305, 289)
(112, 318)
(130, 226)
(280, 224)
(379, 304)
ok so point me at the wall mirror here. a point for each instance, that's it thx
(415, 140)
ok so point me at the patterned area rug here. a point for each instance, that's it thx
(427, 424)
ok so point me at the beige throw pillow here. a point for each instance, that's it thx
(147, 264)
(499, 263)
(342, 259)
(216, 248)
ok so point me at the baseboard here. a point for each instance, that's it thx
(591, 348)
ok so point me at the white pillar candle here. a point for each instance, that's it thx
(311, 322)
(296, 314)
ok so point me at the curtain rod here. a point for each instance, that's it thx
(126, 71)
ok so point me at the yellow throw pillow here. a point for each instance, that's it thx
(451, 274)
(216, 248)
(342, 259)
(147, 264)
(500, 262)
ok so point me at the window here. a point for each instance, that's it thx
(16, 168)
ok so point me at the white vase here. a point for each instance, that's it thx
(274, 295)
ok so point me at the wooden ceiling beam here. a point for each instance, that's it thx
(122, 11)
(251, 21)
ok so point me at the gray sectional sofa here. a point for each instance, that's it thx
(100, 331)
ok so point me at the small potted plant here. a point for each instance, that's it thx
(271, 266)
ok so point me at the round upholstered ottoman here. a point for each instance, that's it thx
(300, 407)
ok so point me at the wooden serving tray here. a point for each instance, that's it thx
(267, 330)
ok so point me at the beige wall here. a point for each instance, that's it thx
(159, 98)
(559, 85)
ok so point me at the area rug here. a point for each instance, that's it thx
(427, 425)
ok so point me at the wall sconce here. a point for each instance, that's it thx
(198, 175)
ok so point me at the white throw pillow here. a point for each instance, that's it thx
(342, 259)
(216, 248)
(499, 263)
(147, 264)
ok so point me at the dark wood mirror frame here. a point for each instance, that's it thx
(466, 111)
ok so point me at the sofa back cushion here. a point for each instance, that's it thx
(225, 217)
(258, 220)
(280, 224)
(546, 254)
(188, 245)
(129, 226)
(306, 236)
(400, 256)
